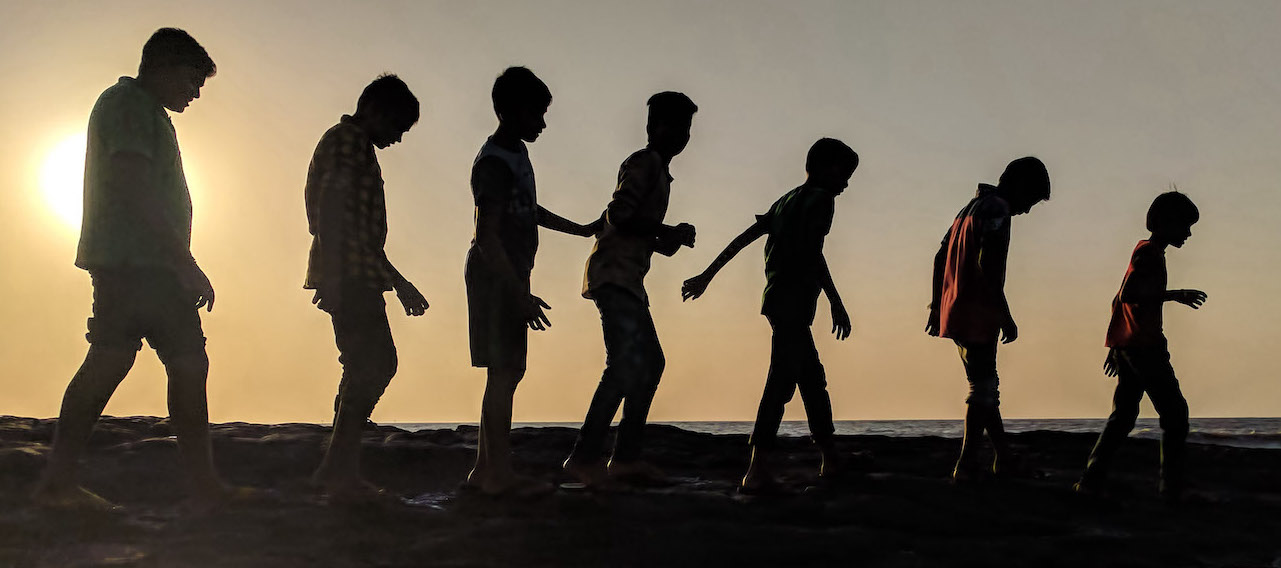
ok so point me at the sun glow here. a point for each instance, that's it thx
(62, 179)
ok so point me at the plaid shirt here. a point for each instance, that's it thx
(346, 211)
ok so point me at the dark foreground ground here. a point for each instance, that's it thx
(900, 510)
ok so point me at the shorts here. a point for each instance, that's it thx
(498, 334)
(132, 304)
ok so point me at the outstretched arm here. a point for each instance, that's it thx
(694, 287)
(560, 224)
(841, 325)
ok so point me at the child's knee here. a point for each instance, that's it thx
(984, 392)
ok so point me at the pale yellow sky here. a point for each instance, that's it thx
(1119, 100)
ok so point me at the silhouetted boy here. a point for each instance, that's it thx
(349, 270)
(501, 309)
(795, 273)
(1138, 354)
(615, 280)
(968, 304)
(136, 245)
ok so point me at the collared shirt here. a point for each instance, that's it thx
(1139, 324)
(797, 225)
(346, 210)
(127, 119)
(970, 308)
(621, 257)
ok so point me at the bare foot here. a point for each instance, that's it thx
(76, 499)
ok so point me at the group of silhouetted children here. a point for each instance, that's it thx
(135, 243)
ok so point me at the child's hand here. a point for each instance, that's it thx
(1190, 298)
(684, 234)
(534, 316)
(841, 322)
(932, 324)
(1009, 331)
(1109, 365)
(694, 287)
(413, 301)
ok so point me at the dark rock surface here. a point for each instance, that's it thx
(897, 510)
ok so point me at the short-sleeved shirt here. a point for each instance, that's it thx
(517, 205)
(797, 224)
(346, 205)
(622, 258)
(970, 309)
(129, 120)
(1140, 324)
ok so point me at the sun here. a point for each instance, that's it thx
(62, 179)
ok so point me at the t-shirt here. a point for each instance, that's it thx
(517, 205)
(1139, 324)
(344, 180)
(128, 119)
(796, 224)
(622, 257)
(970, 309)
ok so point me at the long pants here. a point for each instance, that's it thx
(633, 366)
(1141, 370)
(793, 365)
(366, 350)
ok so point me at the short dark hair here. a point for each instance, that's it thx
(1029, 177)
(390, 95)
(172, 46)
(518, 88)
(671, 105)
(1172, 209)
(830, 152)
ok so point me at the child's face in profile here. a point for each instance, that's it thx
(831, 178)
(179, 85)
(387, 130)
(529, 122)
(1176, 234)
(669, 136)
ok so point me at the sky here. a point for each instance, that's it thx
(1120, 100)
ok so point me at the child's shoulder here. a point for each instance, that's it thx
(645, 157)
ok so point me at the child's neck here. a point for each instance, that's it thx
(1159, 241)
(506, 138)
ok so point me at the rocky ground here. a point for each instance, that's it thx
(899, 510)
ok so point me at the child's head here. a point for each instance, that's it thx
(1024, 183)
(830, 163)
(670, 116)
(1171, 216)
(388, 109)
(176, 66)
(520, 101)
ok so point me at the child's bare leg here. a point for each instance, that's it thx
(189, 412)
(493, 469)
(82, 405)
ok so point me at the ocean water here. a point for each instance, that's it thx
(1239, 432)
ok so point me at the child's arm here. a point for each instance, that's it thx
(840, 318)
(410, 298)
(560, 224)
(489, 178)
(636, 180)
(694, 287)
(1143, 286)
(936, 294)
(994, 251)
